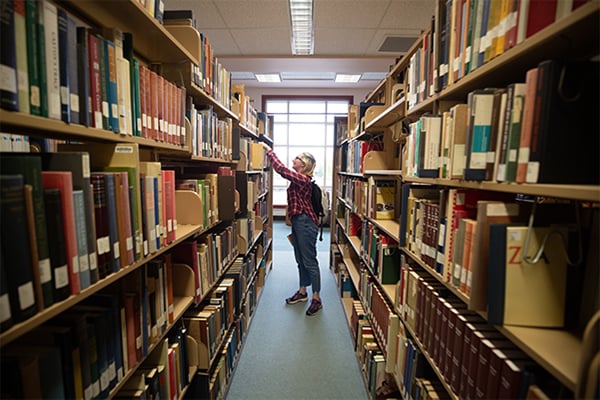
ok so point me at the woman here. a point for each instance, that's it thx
(304, 225)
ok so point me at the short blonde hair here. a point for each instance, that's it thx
(309, 163)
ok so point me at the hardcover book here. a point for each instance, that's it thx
(527, 292)
(9, 95)
(56, 244)
(63, 181)
(16, 249)
(30, 167)
(78, 163)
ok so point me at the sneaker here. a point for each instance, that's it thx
(315, 306)
(296, 298)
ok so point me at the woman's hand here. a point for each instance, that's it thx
(266, 146)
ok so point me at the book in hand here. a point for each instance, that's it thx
(527, 293)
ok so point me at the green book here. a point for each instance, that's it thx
(33, 66)
(30, 167)
(135, 95)
(104, 84)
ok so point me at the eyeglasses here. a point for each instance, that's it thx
(299, 159)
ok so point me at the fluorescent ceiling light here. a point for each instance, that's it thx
(301, 15)
(268, 78)
(242, 75)
(321, 76)
(346, 78)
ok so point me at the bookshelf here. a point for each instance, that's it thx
(554, 352)
(230, 281)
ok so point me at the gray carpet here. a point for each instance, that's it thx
(288, 355)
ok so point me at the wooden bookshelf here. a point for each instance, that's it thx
(574, 36)
(153, 44)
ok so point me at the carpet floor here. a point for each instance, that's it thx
(288, 355)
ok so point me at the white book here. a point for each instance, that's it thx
(124, 96)
(49, 18)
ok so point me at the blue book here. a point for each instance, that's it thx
(82, 249)
(64, 64)
(109, 186)
(111, 85)
(157, 212)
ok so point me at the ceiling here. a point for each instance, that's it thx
(253, 36)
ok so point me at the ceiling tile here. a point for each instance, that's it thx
(262, 41)
(344, 14)
(254, 13)
(342, 41)
(206, 14)
(408, 14)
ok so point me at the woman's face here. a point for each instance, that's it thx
(297, 164)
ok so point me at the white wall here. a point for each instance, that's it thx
(256, 93)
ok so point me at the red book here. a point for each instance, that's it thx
(143, 100)
(95, 82)
(63, 181)
(541, 14)
(124, 218)
(131, 307)
(155, 106)
(161, 100)
(527, 125)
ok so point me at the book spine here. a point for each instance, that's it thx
(73, 66)
(9, 96)
(53, 65)
(20, 33)
(95, 84)
(111, 85)
(80, 231)
(103, 243)
(41, 51)
(63, 182)
(16, 249)
(56, 244)
(83, 76)
(104, 96)
(64, 67)
(33, 63)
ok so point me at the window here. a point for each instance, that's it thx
(304, 124)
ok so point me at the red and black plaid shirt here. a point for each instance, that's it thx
(298, 192)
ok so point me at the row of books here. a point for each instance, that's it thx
(370, 357)
(211, 136)
(380, 253)
(451, 231)
(166, 373)
(85, 76)
(14, 142)
(513, 134)
(77, 222)
(466, 34)
(353, 155)
(208, 257)
(209, 75)
(96, 343)
(474, 359)
(248, 115)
